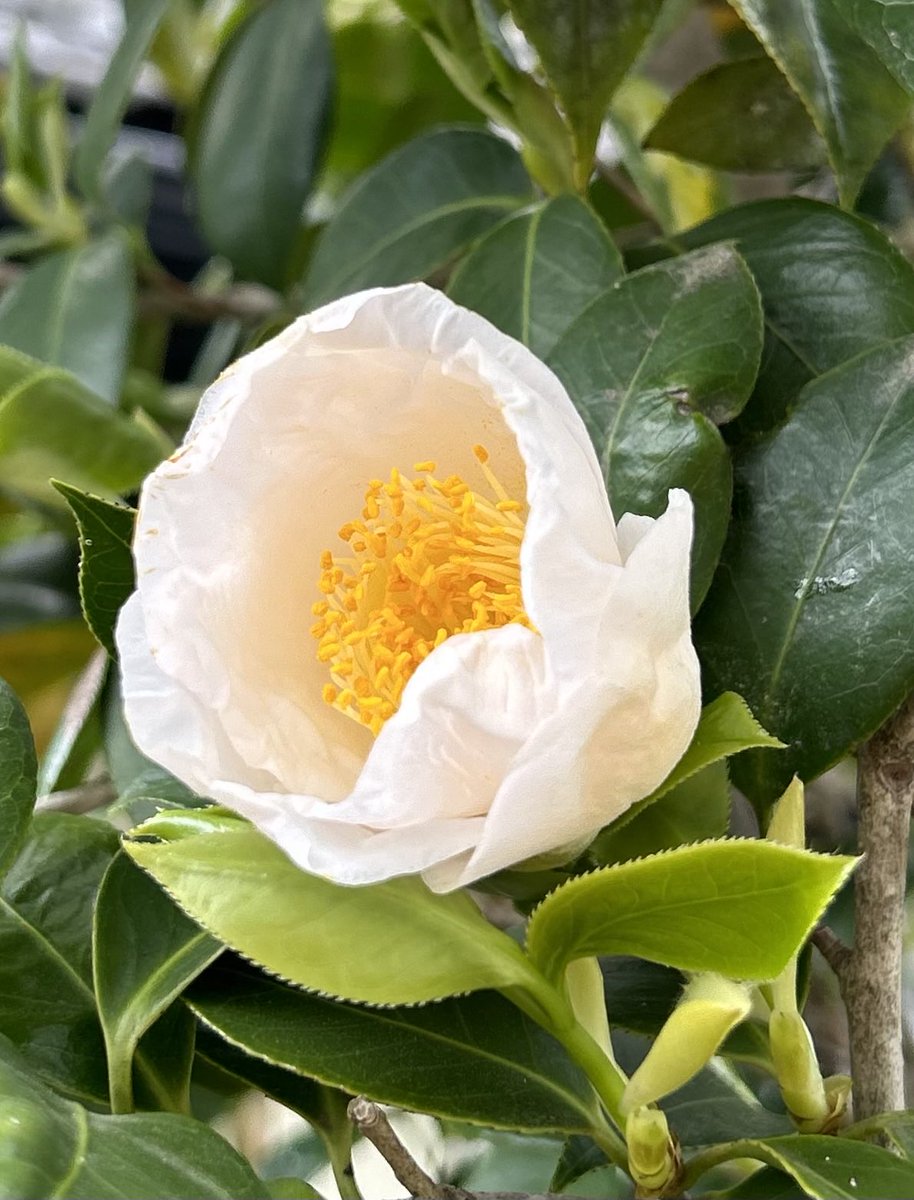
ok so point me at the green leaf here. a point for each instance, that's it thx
(259, 135)
(696, 810)
(829, 1168)
(146, 951)
(534, 274)
(888, 27)
(106, 575)
(898, 1127)
(586, 48)
(739, 116)
(18, 775)
(53, 1147)
(810, 617)
(740, 908)
(75, 310)
(854, 102)
(47, 1008)
(832, 286)
(241, 887)
(113, 94)
(52, 426)
(764, 1184)
(472, 1058)
(651, 366)
(415, 211)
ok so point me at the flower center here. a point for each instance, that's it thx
(429, 558)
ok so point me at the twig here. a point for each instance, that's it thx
(871, 979)
(162, 294)
(833, 949)
(86, 798)
(371, 1122)
(374, 1125)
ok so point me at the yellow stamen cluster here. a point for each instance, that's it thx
(429, 558)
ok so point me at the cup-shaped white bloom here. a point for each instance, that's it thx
(524, 734)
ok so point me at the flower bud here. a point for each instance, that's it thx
(584, 981)
(710, 1008)
(788, 817)
(654, 1161)
(797, 1070)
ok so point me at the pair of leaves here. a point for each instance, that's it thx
(52, 1146)
(739, 908)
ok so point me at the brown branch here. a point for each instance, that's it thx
(871, 979)
(371, 1122)
(833, 949)
(163, 295)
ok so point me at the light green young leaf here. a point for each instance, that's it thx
(106, 575)
(18, 775)
(259, 133)
(74, 309)
(113, 94)
(534, 274)
(52, 426)
(854, 102)
(415, 211)
(380, 944)
(145, 952)
(739, 908)
(471, 1058)
(54, 1147)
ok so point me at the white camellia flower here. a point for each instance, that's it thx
(383, 609)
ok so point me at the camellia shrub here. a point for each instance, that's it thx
(429, 604)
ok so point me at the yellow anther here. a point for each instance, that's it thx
(430, 558)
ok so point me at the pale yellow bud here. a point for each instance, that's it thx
(797, 1069)
(654, 1161)
(584, 981)
(788, 817)
(710, 1008)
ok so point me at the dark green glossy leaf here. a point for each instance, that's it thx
(696, 810)
(639, 995)
(741, 908)
(259, 135)
(18, 775)
(764, 1184)
(855, 103)
(113, 94)
(415, 211)
(474, 1058)
(586, 47)
(651, 365)
(238, 885)
(888, 27)
(811, 615)
(739, 116)
(51, 426)
(832, 286)
(829, 1168)
(75, 310)
(534, 274)
(146, 951)
(46, 1004)
(106, 575)
(898, 1127)
(53, 1147)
